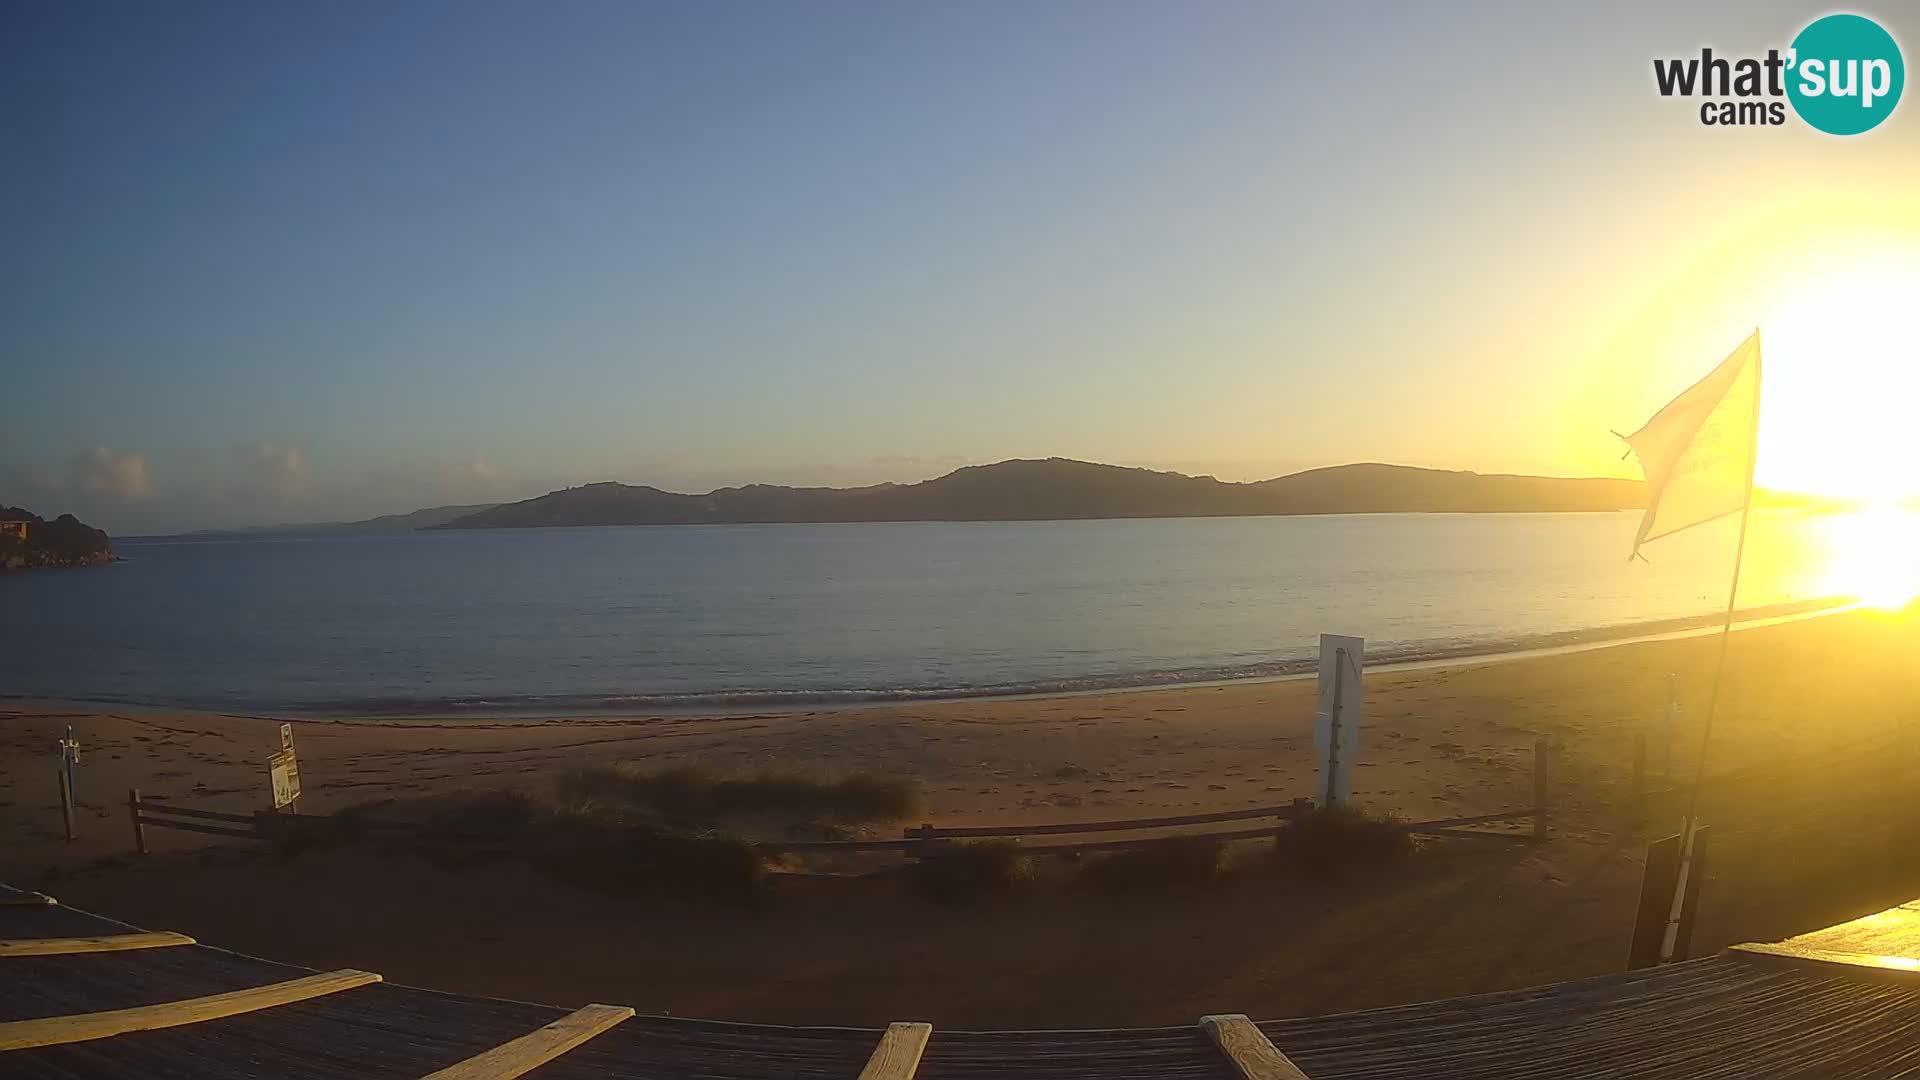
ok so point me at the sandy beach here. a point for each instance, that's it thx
(1804, 842)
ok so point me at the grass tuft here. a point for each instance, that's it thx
(1174, 863)
(967, 872)
(579, 841)
(1330, 838)
(689, 794)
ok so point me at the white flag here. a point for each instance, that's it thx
(1697, 453)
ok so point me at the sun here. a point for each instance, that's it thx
(1875, 556)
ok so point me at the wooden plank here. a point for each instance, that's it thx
(1690, 904)
(897, 1057)
(152, 807)
(1471, 819)
(1262, 832)
(194, 826)
(80, 1027)
(1828, 961)
(103, 943)
(838, 845)
(530, 1051)
(1657, 883)
(1284, 811)
(1478, 834)
(1247, 1049)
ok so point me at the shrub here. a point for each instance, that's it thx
(1177, 862)
(969, 871)
(581, 842)
(1331, 837)
(692, 794)
(626, 859)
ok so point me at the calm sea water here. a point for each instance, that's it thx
(743, 614)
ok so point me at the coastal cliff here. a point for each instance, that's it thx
(27, 540)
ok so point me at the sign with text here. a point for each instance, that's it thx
(286, 736)
(284, 770)
(1336, 717)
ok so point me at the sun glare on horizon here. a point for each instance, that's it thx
(1840, 413)
(1874, 556)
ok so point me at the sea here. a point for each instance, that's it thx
(743, 617)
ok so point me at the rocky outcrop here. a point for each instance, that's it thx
(28, 541)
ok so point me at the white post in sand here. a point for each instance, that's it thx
(1336, 721)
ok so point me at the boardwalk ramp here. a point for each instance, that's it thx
(84, 997)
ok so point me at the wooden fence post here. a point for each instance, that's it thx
(66, 800)
(1542, 787)
(924, 834)
(1637, 802)
(133, 812)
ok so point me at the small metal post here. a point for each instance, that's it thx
(1669, 722)
(66, 801)
(133, 811)
(1542, 786)
(70, 761)
(1637, 807)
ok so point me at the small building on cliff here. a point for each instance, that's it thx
(14, 529)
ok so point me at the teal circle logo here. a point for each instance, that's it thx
(1845, 74)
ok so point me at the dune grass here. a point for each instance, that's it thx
(967, 872)
(577, 842)
(1331, 838)
(688, 794)
(1178, 862)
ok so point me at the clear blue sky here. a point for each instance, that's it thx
(269, 262)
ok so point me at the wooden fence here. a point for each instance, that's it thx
(926, 840)
(160, 814)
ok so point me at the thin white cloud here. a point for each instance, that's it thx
(276, 470)
(121, 474)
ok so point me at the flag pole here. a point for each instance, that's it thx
(1690, 823)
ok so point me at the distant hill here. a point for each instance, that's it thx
(417, 519)
(64, 541)
(1057, 489)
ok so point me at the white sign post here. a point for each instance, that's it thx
(283, 772)
(1336, 718)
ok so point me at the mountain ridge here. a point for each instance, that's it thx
(410, 521)
(1047, 489)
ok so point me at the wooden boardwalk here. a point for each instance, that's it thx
(1840, 1002)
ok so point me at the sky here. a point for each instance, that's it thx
(273, 262)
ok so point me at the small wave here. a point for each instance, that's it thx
(1379, 654)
